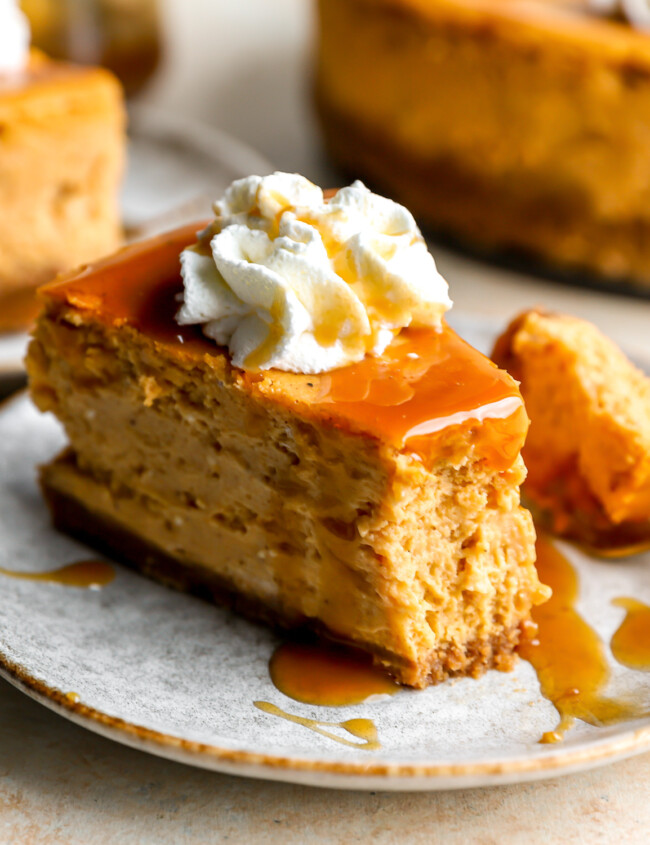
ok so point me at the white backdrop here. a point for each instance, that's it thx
(243, 65)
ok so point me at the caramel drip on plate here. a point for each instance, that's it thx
(327, 675)
(90, 574)
(567, 654)
(630, 644)
(363, 729)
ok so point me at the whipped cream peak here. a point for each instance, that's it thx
(14, 37)
(266, 197)
(288, 280)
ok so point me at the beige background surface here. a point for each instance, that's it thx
(62, 784)
(243, 66)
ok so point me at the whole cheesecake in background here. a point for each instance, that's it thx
(62, 145)
(513, 125)
(305, 438)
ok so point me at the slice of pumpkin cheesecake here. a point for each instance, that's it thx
(375, 501)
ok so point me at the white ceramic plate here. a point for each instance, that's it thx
(175, 169)
(177, 677)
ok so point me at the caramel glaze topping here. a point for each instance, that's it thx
(567, 654)
(427, 382)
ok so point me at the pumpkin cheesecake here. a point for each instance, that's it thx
(511, 125)
(588, 449)
(217, 450)
(61, 157)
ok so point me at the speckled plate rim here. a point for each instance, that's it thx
(410, 777)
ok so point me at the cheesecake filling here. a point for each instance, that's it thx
(14, 37)
(291, 281)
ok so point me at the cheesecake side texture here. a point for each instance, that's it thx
(244, 488)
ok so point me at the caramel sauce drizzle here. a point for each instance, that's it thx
(363, 729)
(429, 392)
(327, 675)
(255, 358)
(138, 286)
(88, 574)
(426, 386)
(630, 644)
(567, 654)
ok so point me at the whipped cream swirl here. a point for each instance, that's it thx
(288, 280)
(14, 37)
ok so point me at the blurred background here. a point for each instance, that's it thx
(242, 66)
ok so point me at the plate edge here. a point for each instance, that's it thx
(386, 776)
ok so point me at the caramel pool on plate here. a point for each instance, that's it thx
(327, 675)
(567, 653)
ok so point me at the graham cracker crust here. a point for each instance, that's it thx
(73, 517)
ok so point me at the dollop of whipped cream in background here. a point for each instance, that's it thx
(14, 37)
(288, 280)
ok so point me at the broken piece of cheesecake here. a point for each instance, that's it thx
(340, 459)
(588, 449)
